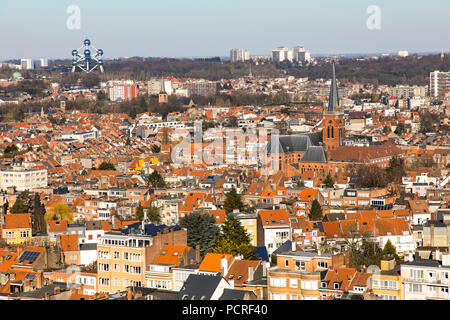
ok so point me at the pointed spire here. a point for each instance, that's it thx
(333, 103)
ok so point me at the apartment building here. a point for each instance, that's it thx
(386, 283)
(123, 258)
(23, 179)
(439, 82)
(426, 279)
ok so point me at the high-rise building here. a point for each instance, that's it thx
(203, 88)
(43, 62)
(122, 91)
(280, 54)
(239, 55)
(156, 86)
(301, 54)
(439, 83)
(403, 53)
(26, 64)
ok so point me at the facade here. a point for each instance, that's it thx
(17, 228)
(387, 282)
(203, 88)
(287, 284)
(23, 179)
(239, 55)
(439, 82)
(426, 279)
(122, 92)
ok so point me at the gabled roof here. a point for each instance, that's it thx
(170, 255)
(314, 154)
(239, 271)
(17, 221)
(212, 261)
(57, 225)
(199, 287)
(274, 217)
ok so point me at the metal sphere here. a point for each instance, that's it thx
(87, 52)
(74, 52)
(87, 42)
(100, 52)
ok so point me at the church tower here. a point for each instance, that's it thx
(333, 124)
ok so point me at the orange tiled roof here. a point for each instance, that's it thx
(212, 261)
(170, 255)
(17, 221)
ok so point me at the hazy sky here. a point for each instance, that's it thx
(181, 28)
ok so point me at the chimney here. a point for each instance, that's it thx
(47, 296)
(129, 294)
(197, 253)
(251, 274)
(293, 246)
(224, 265)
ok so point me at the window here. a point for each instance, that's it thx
(278, 282)
(293, 283)
(116, 267)
(300, 265)
(322, 264)
(116, 255)
(286, 262)
(336, 285)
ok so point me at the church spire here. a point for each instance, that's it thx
(333, 103)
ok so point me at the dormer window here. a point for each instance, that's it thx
(231, 276)
(337, 285)
(163, 252)
(323, 284)
(175, 253)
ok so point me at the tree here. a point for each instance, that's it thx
(140, 212)
(390, 251)
(234, 239)
(201, 230)
(106, 166)
(38, 217)
(155, 180)
(22, 203)
(396, 170)
(128, 142)
(10, 149)
(315, 213)
(153, 214)
(329, 182)
(59, 211)
(233, 201)
(400, 129)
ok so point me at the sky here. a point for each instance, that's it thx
(206, 28)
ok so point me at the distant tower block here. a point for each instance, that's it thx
(442, 54)
(85, 59)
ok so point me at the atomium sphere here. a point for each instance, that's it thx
(74, 52)
(74, 62)
(87, 52)
(100, 61)
(100, 52)
(87, 42)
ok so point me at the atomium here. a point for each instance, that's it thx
(87, 58)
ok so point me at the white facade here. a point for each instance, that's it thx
(275, 236)
(425, 281)
(23, 179)
(87, 257)
(239, 55)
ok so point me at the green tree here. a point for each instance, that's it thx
(329, 182)
(233, 201)
(234, 239)
(10, 150)
(21, 204)
(201, 230)
(39, 225)
(106, 166)
(153, 214)
(400, 129)
(140, 212)
(315, 213)
(155, 180)
(390, 251)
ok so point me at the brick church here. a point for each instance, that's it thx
(324, 152)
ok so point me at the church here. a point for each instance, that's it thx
(324, 152)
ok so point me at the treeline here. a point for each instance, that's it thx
(413, 70)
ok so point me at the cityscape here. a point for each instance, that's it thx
(286, 175)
